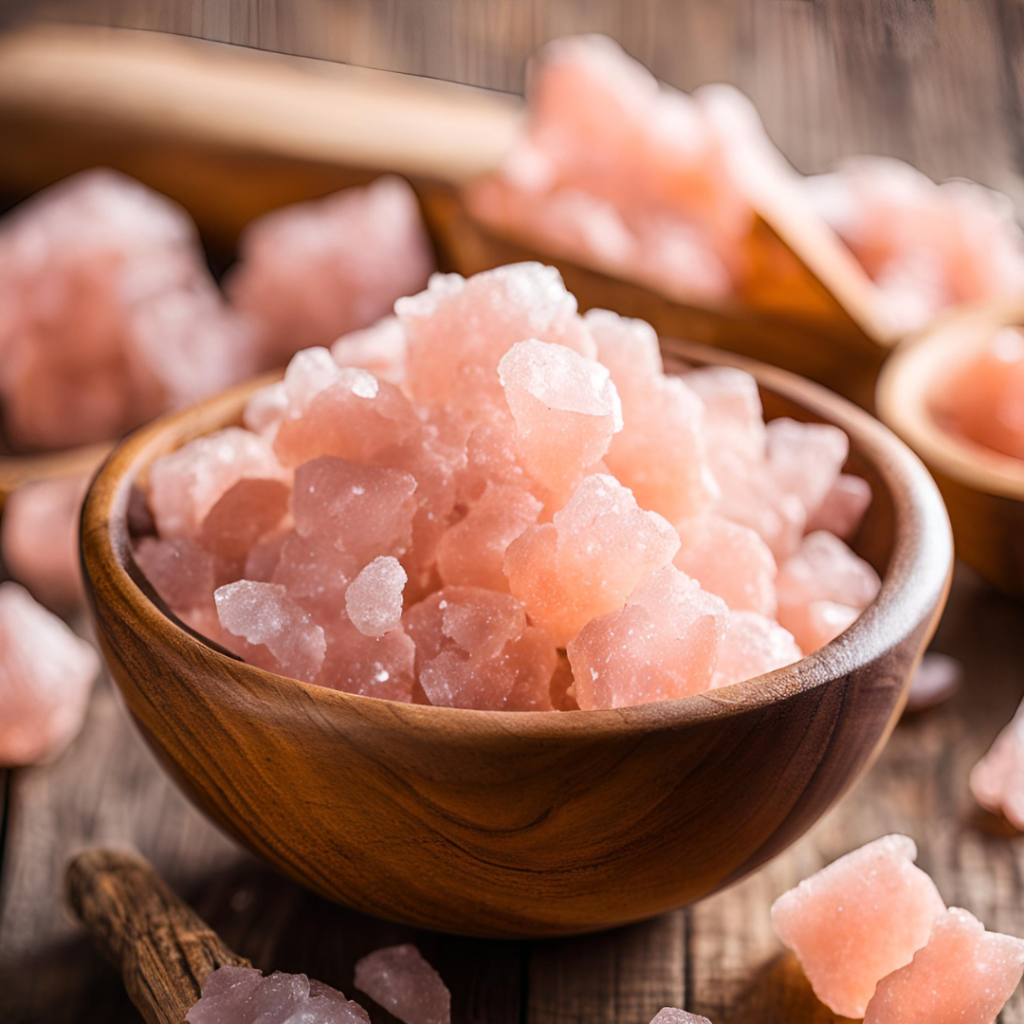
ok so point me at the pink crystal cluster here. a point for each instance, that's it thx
(46, 675)
(641, 181)
(109, 314)
(926, 246)
(983, 398)
(876, 941)
(400, 980)
(492, 502)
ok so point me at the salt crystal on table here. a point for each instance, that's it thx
(379, 348)
(566, 410)
(670, 1015)
(241, 995)
(362, 510)
(472, 551)
(403, 983)
(805, 458)
(936, 679)
(187, 483)
(997, 780)
(474, 649)
(753, 645)
(263, 614)
(312, 271)
(663, 644)
(858, 920)
(39, 538)
(374, 598)
(842, 508)
(589, 559)
(46, 675)
(964, 975)
(729, 560)
(459, 329)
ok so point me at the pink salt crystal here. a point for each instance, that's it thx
(315, 573)
(842, 508)
(663, 644)
(805, 458)
(241, 995)
(39, 538)
(308, 373)
(263, 614)
(566, 410)
(265, 410)
(187, 483)
(753, 645)
(729, 560)
(997, 780)
(938, 677)
(858, 920)
(46, 674)
(589, 559)
(362, 510)
(379, 348)
(355, 417)
(373, 600)
(629, 348)
(964, 975)
(243, 514)
(733, 417)
(474, 649)
(670, 1015)
(822, 588)
(313, 271)
(490, 456)
(371, 666)
(403, 983)
(459, 329)
(472, 551)
(264, 556)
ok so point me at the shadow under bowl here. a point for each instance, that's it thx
(506, 824)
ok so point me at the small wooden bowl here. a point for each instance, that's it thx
(983, 489)
(534, 824)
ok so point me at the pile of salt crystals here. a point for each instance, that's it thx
(316, 270)
(876, 941)
(926, 246)
(638, 180)
(108, 313)
(983, 398)
(512, 480)
(46, 675)
(997, 780)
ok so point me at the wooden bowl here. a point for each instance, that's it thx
(535, 824)
(983, 489)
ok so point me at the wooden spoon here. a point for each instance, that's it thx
(162, 948)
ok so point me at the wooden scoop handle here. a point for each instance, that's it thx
(162, 948)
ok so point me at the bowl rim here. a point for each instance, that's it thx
(914, 584)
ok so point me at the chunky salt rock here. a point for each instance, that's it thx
(264, 556)
(566, 410)
(475, 649)
(964, 975)
(805, 458)
(265, 409)
(858, 920)
(628, 347)
(589, 559)
(379, 348)
(363, 510)
(108, 313)
(373, 600)
(46, 675)
(264, 615)
(733, 416)
(822, 589)
(371, 666)
(39, 538)
(242, 995)
(459, 329)
(729, 560)
(314, 572)
(490, 456)
(670, 1015)
(663, 644)
(997, 780)
(472, 551)
(842, 509)
(753, 645)
(313, 271)
(186, 484)
(245, 512)
(308, 373)
(937, 678)
(403, 983)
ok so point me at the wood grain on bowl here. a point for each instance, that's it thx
(983, 489)
(500, 824)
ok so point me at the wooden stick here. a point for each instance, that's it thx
(162, 948)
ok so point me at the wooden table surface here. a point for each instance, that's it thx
(934, 81)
